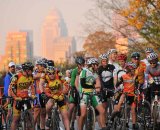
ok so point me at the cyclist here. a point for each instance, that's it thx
(128, 81)
(112, 57)
(147, 52)
(105, 72)
(153, 74)
(7, 81)
(140, 70)
(39, 105)
(118, 73)
(90, 82)
(54, 91)
(74, 95)
(18, 89)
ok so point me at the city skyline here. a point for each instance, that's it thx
(29, 15)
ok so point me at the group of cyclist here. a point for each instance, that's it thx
(46, 85)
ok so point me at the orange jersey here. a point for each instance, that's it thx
(21, 84)
(129, 84)
(54, 89)
(140, 72)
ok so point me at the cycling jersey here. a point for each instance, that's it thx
(54, 88)
(106, 76)
(154, 73)
(116, 65)
(21, 85)
(87, 80)
(129, 84)
(140, 71)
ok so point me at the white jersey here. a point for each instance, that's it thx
(116, 65)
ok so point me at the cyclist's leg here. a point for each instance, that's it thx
(99, 106)
(16, 115)
(49, 106)
(83, 110)
(37, 111)
(65, 114)
(42, 113)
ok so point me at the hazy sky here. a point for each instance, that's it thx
(29, 15)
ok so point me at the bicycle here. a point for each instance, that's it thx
(143, 112)
(90, 114)
(120, 122)
(110, 103)
(26, 118)
(3, 123)
(155, 109)
(54, 118)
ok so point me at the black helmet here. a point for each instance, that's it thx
(135, 55)
(25, 66)
(50, 63)
(79, 60)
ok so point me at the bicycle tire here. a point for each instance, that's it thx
(155, 115)
(55, 120)
(90, 119)
(144, 114)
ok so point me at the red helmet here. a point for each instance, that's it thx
(122, 57)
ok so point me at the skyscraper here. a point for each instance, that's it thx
(56, 44)
(18, 48)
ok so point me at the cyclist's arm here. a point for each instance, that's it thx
(98, 84)
(13, 86)
(36, 76)
(73, 77)
(48, 92)
(77, 82)
(41, 84)
(119, 82)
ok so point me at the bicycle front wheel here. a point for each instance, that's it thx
(90, 119)
(55, 120)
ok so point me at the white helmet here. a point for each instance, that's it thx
(152, 56)
(111, 51)
(92, 61)
(149, 50)
(103, 56)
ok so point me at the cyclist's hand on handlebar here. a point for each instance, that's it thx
(18, 98)
(43, 95)
(33, 97)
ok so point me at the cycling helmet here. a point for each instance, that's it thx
(25, 66)
(39, 62)
(79, 60)
(103, 56)
(92, 61)
(135, 55)
(111, 51)
(50, 63)
(149, 50)
(131, 65)
(122, 57)
(31, 66)
(152, 56)
(50, 69)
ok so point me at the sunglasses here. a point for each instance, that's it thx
(51, 73)
(153, 63)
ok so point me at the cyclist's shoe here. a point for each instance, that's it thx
(135, 127)
(114, 114)
(127, 125)
(48, 122)
(72, 126)
(105, 128)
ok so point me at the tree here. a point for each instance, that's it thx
(136, 20)
(144, 15)
(99, 42)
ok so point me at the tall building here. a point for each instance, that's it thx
(56, 44)
(18, 48)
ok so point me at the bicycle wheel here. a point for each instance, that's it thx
(144, 114)
(155, 115)
(90, 119)
(55, 120)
